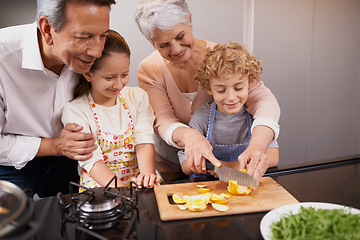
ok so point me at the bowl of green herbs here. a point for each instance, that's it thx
(311, 220)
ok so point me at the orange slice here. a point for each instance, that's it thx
(229, 195)
(236, 189)
(220, 207)
(196, 207)
(182, 207)
(219, 199)
(180, 200)
(203, 190)
(197, 202)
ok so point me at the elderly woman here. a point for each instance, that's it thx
(167, 75)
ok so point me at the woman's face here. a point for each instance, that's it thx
(174, 45)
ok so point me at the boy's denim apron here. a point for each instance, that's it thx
(227, 153)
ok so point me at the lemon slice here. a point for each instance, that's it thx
(220, 207)
(201, 185)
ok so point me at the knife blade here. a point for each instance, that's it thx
(226, 173)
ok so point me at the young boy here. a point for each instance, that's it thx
(228, 72)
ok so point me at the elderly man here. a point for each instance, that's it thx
(39, 67)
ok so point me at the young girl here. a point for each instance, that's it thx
(227, 74)
(119, 117)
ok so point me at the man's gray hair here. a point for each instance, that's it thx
(161, 14)
(55, 10)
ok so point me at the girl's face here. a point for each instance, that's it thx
(174, 45)
(108, 80)
(230, 94)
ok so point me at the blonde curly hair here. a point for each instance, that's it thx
(227, 59)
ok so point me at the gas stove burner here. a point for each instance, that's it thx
(98, 200)
(100, 209)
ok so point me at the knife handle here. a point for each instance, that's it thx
(209, 165)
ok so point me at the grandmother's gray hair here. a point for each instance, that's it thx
(55, 10)
(161, 14)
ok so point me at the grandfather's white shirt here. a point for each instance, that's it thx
(31, 97)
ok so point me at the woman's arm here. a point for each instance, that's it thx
(197, 147)
(262, 103)
(151, 78)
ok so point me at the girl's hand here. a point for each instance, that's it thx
(148, 180)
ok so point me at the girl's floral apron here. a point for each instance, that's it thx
(117, 150)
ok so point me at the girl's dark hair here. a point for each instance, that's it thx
(114, 43)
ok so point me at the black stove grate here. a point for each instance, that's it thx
(99, 212)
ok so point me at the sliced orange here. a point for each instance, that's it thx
(198, 199)
(196, 207)
(180, 200)
(182, 207)
(236, 189)
(220, 207)
(207, 194)
(203, 190)
(197, 202)
(218, 198)
(229, 195)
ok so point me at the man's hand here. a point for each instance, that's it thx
(74, 144)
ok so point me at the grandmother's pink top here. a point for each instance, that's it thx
(172, 109)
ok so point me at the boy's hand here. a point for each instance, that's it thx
(148, 180)
(255, 162)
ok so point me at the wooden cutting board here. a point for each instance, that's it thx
(267, 196)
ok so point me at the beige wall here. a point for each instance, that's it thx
(311, 62)
(310, 51)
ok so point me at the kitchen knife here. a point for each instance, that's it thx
(226, 173)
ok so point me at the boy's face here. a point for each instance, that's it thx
(230, 93)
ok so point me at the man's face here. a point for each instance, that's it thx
(81, 39)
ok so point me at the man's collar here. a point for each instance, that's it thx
(31, 52)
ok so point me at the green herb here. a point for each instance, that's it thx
(318, 224)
